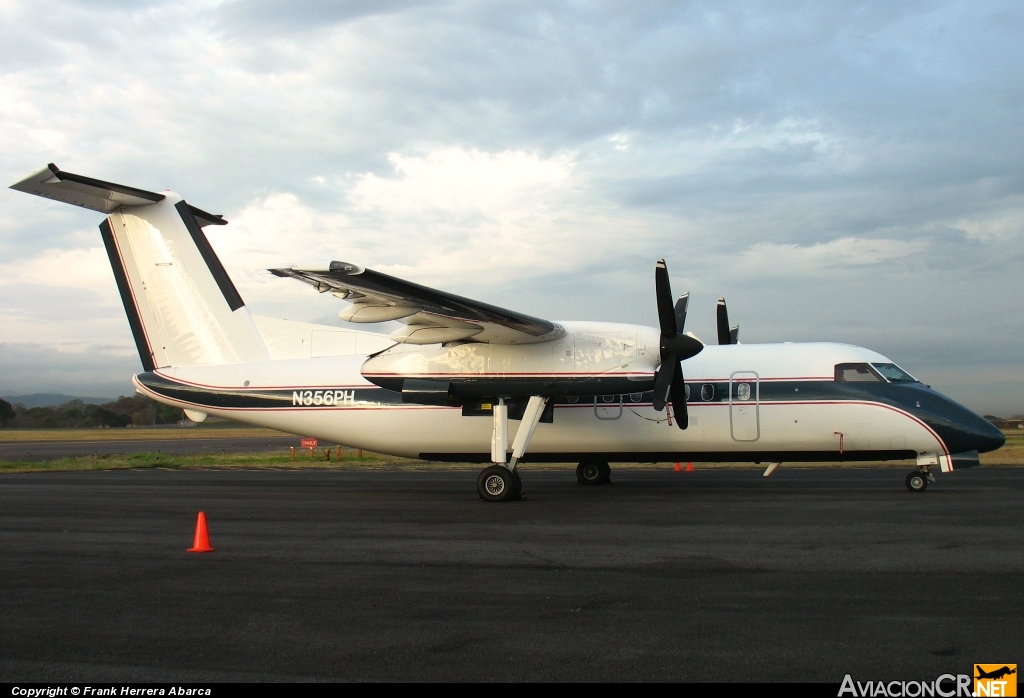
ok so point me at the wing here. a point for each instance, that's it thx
(430, 316)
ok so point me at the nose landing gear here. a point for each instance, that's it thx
(917, 480)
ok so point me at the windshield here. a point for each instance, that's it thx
(894, 373)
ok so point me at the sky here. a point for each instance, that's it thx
(849, 172)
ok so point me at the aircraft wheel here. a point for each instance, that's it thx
(497, 484)
(917, 481)
(591, 472)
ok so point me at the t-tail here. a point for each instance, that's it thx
(182, 306)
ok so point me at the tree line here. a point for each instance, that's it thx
(136, 411)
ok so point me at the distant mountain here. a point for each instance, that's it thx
(52, 399)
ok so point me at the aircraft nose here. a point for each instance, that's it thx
(977, 433)
(989, 437)
(962, 429)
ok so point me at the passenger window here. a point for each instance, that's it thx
(687, 392)
(707, 392)
(743, 391)
(636, 397)
(856, 373)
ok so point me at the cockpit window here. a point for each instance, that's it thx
(856, 373)
(894, 373)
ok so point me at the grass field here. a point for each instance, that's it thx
(1011, 454)
(135, 434)
(238, 460)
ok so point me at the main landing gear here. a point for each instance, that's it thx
(593, 472)
(501, 482)
(917, 480)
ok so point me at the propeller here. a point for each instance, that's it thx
(675, 347)
(726, 334)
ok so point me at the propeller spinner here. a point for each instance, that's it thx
(675, 347)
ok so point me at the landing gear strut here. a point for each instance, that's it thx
(501, 482)
(917, 480)
(593, 472)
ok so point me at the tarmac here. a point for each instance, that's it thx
(402, 575)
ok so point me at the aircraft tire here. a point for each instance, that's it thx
(517, 484)
(593, 472)
(497, 484)
(917, 481)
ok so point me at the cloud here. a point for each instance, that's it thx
(278, 16)
(813, 162)
(66, 296)
(845, 256)
(453, 180)
(1002, 225)
(449, 215)
(89, 369)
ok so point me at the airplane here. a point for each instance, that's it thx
(995, 674)
(453, 381)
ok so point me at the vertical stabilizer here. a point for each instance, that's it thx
(181, 304)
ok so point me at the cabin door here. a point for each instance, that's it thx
(744, 397)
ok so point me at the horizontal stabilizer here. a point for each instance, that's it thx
(96, 195)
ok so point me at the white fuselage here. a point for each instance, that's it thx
(329, 397)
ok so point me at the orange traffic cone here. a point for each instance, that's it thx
(201, 544)
(678, 467)
(689, 467)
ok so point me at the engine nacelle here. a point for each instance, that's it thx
(591, 359)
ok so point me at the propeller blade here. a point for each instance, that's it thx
(663, 295)
(663, 381)
(678, 393)
(724, 336)
(681, 305)
(734, 334)
(675, 346)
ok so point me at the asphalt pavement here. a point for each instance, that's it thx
(398, 575)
